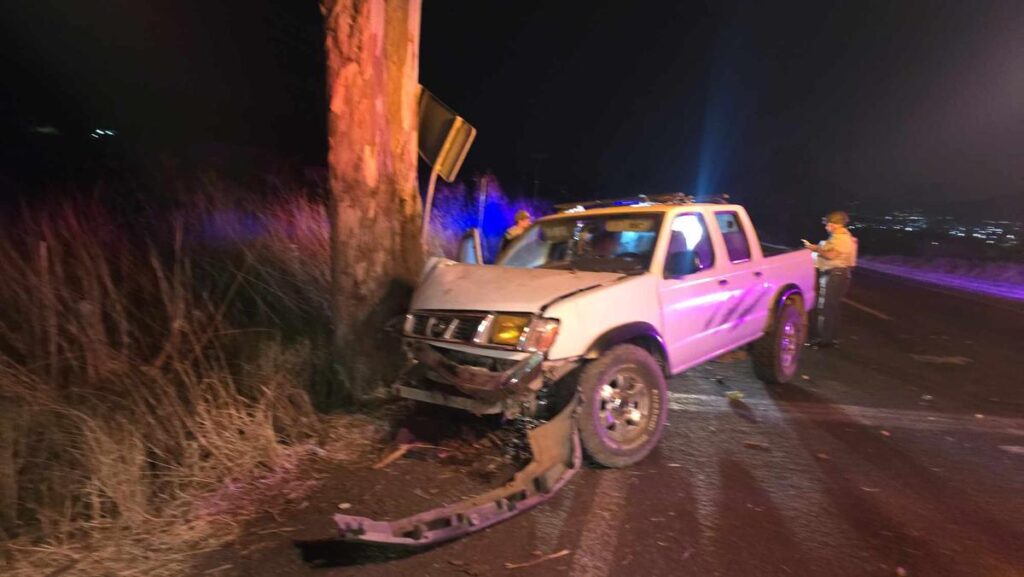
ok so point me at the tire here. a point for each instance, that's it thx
(624, 406)
(776, 355)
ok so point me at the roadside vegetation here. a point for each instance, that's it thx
(154, 353)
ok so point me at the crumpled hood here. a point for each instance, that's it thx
(454, 286)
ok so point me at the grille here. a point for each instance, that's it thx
(479, 361)
(450, 327)
(419, 324)
(465, 330)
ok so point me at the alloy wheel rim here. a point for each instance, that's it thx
(788, 345)
(623, 408)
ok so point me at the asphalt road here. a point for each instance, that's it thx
(900, 453)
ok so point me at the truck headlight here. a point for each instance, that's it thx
(507, 329)
(523, 332)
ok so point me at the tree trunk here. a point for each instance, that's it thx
(372, 86)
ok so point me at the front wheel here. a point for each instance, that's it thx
(776, 355)
(624, 406)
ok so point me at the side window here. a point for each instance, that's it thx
(735, 237)
(689, 247)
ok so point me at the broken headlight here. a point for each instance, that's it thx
(533, 334)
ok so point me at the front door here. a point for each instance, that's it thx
(470, 250)
(692, 299)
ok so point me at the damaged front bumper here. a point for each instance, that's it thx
(484, 383)
(557, 456)
(477, 382)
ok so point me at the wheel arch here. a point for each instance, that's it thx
(641, 334)
(784, 294)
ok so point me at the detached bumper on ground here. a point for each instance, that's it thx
(556, 458)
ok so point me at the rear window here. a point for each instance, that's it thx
(735, 237)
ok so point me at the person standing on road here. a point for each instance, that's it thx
(523, 221)
(834, 259)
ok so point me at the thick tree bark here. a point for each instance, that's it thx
(372, 84)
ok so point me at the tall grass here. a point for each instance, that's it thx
(152, 353)
(124, 388)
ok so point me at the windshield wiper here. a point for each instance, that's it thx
(564, 263)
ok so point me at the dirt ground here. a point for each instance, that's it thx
(428, 457)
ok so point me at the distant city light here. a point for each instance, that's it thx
(102, 132)
(1003, 233)
(47, 129)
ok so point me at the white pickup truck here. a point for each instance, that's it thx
(602, 304)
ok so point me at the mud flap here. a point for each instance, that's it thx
(557, 455)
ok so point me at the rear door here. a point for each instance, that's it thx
(744, 317)
(692, 298)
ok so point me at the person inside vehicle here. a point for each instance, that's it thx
(523, 221)
(604, 244)
(834, 259)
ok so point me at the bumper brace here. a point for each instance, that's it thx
(556, 458)
(480, 383)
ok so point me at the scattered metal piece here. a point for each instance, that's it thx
(937, 360)
(531, 562)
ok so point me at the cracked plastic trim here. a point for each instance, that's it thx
(556, 458)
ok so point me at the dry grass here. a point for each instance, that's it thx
(169, 547)
(124, 389)
(157, 370)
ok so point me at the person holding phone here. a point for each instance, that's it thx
(834, 259)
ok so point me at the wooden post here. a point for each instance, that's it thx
(429, 205)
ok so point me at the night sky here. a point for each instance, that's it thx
(882, 102)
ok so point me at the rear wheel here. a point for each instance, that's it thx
(776, 355)
(624, 406)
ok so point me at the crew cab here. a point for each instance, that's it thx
(599, 304)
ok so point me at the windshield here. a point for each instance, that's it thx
(612, 243)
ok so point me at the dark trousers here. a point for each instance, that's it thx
(832, 287)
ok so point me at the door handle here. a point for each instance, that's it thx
(722, 282)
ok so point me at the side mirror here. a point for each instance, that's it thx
(470, 250)
(682, 263)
